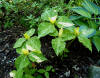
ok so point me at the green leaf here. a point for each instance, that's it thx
(36, 57)
(82, 11)
(98, 33)
(48, 14)
(45, 29)
(91, 7)
(33, 44)
(87, 32)
(41, 71)
(19, 49)
(30, 32)
(30, 71)
(28, 76)
(55, 33)
(86, 42)
(21, 62)
(63, 22)
(58, 45)
(73, 17)
(19, 73)
(48, 68)
(39, 76)
(80, 23)
(46, 74)
(93, 24)
(68, 35)
(96, 41)
(19, 42)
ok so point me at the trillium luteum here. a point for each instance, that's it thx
(60, 32)
(53, 19)
(26, 36)
(25, 51)
(76, 30)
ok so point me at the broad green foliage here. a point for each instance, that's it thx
(96, 41)
(19, 42)
(79, 22)
(19, 73)
(63, 22)
(29, 50)
(93, 24)
(49, 15)
(82, 11)
(68, 35)
(91, 7)
(87, 32)
(19, 49)
(86, 42)
(33, 44)
(58, 45)
(88, 27)
(87, 9)
(55, 33)
(45, 29)
(38, 57)
(21, 62)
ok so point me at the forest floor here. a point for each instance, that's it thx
(75, 65)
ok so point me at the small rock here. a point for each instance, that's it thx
(94, 72)
(67, 74)
(61, 76)
(75, 67)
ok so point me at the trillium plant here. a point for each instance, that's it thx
(80, 25)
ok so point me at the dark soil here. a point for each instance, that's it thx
(7, 53)
(76, 65)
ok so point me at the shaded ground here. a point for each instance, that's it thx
(77, 63)
(74, 66)
(7, 53)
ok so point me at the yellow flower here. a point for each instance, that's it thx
(25, 51)
(76, 30)
(26, 36)
(53, 19)
(10, 1)
(60, 32)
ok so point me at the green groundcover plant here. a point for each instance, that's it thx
(83, 25)
(24, 12)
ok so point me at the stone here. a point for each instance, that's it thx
(94, 72)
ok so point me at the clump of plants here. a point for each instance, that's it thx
(23, 12)
(83, 25)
